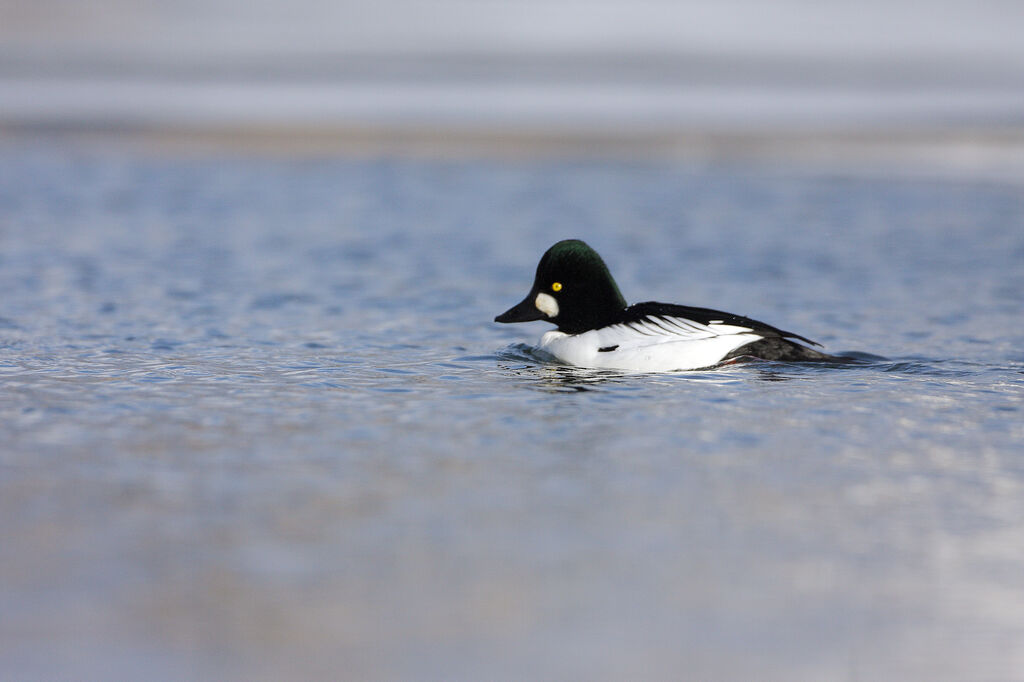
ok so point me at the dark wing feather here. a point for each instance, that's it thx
(640, 311)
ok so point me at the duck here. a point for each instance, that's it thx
(595, 327)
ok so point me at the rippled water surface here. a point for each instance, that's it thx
(257, 423)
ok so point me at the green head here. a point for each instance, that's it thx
(573, 289)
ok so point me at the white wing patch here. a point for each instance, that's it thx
(668, 329)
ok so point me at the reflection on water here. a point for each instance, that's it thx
(257, 424)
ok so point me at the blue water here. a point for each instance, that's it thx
(257, 423)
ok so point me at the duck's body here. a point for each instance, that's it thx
(658, 337)
(574, 290)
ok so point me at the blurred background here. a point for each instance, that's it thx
(256, 422)
(935, 82)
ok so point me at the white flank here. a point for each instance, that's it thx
(546, 304)
(651, 345)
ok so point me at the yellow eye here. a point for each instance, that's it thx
(557, 286)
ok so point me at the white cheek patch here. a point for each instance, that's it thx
(546, 304)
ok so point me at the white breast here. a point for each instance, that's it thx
(649, 345)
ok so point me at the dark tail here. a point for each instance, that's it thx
(782, 350)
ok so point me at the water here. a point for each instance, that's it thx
(257, 424)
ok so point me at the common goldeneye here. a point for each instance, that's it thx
(574, 290)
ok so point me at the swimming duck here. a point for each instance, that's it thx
(574, 290)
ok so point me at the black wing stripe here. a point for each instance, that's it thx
(638, 328)
(688, 318)
(656, 322)
(675, 322)
(687, 325)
